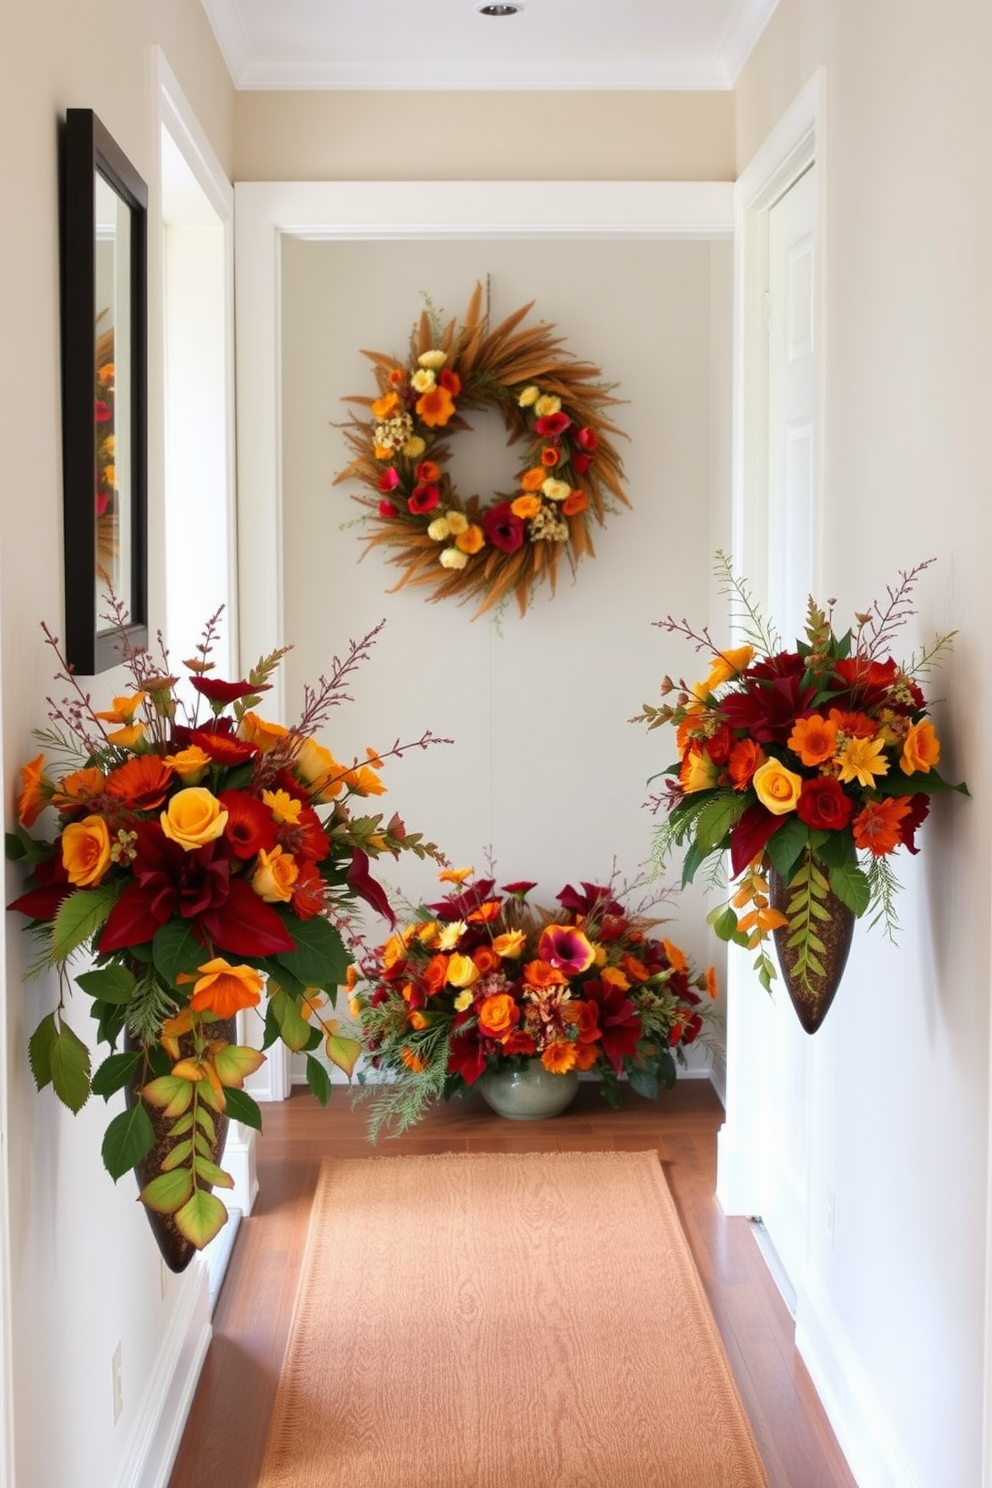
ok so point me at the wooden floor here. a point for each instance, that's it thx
(225, 1435)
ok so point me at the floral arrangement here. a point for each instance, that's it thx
(549, 402)
(207, 860)
(483, 979)
(810, 766)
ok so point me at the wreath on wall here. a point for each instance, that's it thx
(470, 548)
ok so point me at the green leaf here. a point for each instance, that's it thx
(211, 1173)
(294, 1030)
(320, 958)
(203, 1217)
(116, 1071)
(70, 1065)
(177, 1156)
(716, 819)
(168, 1192)
(850, 884)
(318, 1079)
(114, 984)
(128, 1139)
(694, 855)
(205, 1121)
(241, 1107)
(79, 917)
(644, 1081)
(21, 847)
(40, 1051)
(342, 1051)
(175, 949)
(785, 846)
(724, 922)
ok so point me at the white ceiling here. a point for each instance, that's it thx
(550, 45)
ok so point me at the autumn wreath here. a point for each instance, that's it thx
(469, 548)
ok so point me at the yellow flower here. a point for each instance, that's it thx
(455, 875)
(776, 787)
(190, 764)
(698, 772)
(275, 876)
(556, 490)
(462, 971)
(193, 817)
(434, 359)
(861, 760)
(129, 737)
(257, 731)
(123, 710)
(457, 522)
(284, 807)
(528, 396)
(423, 380)
(510, 945)
(450, 934)
(463, 1000)
(546, 405)
(452, 558)
(526, 507)
(414, 448)
(728, 664)
(921, 748)
(614, 977)
(321, 771)
(86, 851)
(439, 530)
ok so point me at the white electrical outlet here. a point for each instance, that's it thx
(115, 1365)
(831, 1211)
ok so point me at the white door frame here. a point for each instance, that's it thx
(795, 142)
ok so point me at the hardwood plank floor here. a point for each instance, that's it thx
(225, 1435)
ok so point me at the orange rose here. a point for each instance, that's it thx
(498, 1015)
(575, 502)
(193, 818)
(921, 748)
(264, 736)
(86, 851)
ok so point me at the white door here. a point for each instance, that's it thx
(791, 487)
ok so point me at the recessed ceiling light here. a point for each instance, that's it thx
(498, 10)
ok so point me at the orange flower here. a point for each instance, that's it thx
(526, 507)
(549, 457)
(814, 739)
(257, 731)
(435, 974)
(76, 790)
(921, 748)
(428, 471)
(498, 1015)
(384, 406)
(193, 817)
(855, 725)
(876, 826)
(614, 977)
(34, 791)
(586, 1055)
(435, 407)
(413, 1061)
(142, 783)
(575, 502)
(533, 479)
(745, 758)
(634, 968)
(676, 956)
(698, 772)
(485, 959)
(541, 975)
(481, 915)
(510, 944)
(224, 989)
(472, 540)
(712, 988)
(86, 851)
(455, 875)
(123, 710)
(559, 1057)
(518, 1042)
(275, 876)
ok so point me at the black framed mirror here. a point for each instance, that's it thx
(104, 394)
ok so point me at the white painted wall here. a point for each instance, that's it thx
(892, 1315)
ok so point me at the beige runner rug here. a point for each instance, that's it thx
(524, 1321)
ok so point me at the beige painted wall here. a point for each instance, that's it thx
(84, 1273)
(545, 772)
(900, 1075)
(484, 136)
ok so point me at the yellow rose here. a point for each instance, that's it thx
(321, 771)
(511, 944)
(190, 764)
(462, 971)
(921, 748)
(776, 787)
(257, 731)
(463, 1001)
(275, 876)
(193, 818)
(86, 851)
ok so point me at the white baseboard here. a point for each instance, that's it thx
(860, 1425)
(738, 1174)
(169, 1396)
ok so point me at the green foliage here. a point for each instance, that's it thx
(59, 1058)
(241, 1107)
(127, 1141)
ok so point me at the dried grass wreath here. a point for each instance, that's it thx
(469, 548)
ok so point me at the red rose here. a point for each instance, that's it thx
(587, 438)
(503, 529)
(423, 499)
(824, 805)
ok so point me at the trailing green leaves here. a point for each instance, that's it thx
(59, 1058)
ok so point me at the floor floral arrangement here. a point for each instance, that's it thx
(484, 979)
(808, 765)
(204, 860)
(484, 549)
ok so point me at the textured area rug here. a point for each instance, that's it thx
(524, 1321)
